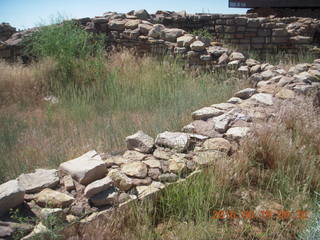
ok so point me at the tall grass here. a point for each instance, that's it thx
(71, 48)
(278, 164)
(131, 94)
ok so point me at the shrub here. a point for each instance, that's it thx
(202, 33)
(72, 48)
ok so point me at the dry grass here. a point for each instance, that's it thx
(129, 94)
(21, 83)
(278, 164)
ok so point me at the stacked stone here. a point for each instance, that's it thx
(95, 181)
(161, 33)
(6, 30)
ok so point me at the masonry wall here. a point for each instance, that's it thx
(242, 31)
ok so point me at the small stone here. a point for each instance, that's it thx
(132, 24)
(139, 182)
(168, 177)
(285, 94)
(299, 68)
(39, 229)
(269, 88)
(51, 212)
(85, 169)
(115, 160)
(175, 140)
(315, 74)
(185, 40)
(135, 169)
(117, 25)
(140, 142)
(177, 166)
(251, 62)
(134, 156)
(223, 106)
(142, 14)
(154, 173)
(234, 64)
(266, 75)
(205, 128)
(171, 34)
(237, 133)
(245, 93)
(205, 58)
(255, 78)
(68, 183)
(243, 69)
(197, 46)
(124, 197)
(120, 180)
(144, 191)
(162, 153)
(208, 158)
(234, 100)
(180, 50)
(11, 196)
(301, 40)
(223, 59)
(263, 98)
(217, 144)
(107, 197)
(221, 123)
(206, 112)
(144, 28)
(285, 81)
(255, 69)
(155, 32)
(53, 199)
(98, 186)
(152, 163)
(39, 180)
(236, 56)
(217, 51)
(71, 218)
(305, 77)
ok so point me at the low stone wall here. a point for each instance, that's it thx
(100, 186)
(159, 33)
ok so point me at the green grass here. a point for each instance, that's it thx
(132, 94)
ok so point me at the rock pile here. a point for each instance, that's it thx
(170, 32)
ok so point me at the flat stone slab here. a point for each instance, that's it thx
(217, 144)
(107, 197)
(97, 187)
(85, 169)
(121, 181)
(206, 112)
(175, 140)
(11, 196)
(53, 199)
(39, 180)
(245, 93)
(140, 142)
(263, 98)
(135, 169)
(236, 133)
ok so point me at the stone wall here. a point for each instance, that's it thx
(160, 33)
(99, 186)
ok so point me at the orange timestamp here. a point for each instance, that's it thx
(264, 214)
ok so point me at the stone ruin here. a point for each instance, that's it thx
(89, 190)
(171, 33)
